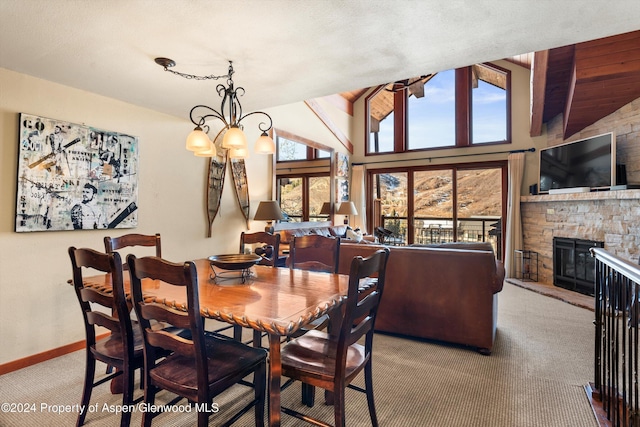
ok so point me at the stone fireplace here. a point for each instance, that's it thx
(611, 217)
(573, 265)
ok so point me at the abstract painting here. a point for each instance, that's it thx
(74, 177)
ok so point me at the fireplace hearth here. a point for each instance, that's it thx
(573, 266)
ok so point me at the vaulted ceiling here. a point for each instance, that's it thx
(287, 51)
(585, 82)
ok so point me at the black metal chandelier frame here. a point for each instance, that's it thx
(230, 101)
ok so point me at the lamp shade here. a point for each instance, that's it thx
(234, 138)
(268, 211)
(198, 140)
(209, 152)
(326, 208)
(265, 145)
(347, 208)
(238, 153)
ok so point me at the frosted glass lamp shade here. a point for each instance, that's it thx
(238, 153)
(234, 138)
(265, 145)
(198, 140)
(208, 152)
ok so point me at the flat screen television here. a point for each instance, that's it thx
(589, 162)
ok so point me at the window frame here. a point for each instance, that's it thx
(305, 177)
(454, 167)
(463, 115)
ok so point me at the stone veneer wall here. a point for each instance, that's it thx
(611, 217)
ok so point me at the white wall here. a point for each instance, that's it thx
(38, 309)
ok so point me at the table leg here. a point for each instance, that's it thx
(275, 372)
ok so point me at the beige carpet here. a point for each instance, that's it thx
(542, 359)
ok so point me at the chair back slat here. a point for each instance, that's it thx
(162, 313)
(112, 244)
(97, 297)
(262, 237)
(130, 240)
(97, 318)
(315, 252)
(171, 341)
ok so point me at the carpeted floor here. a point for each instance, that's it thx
(536, 375)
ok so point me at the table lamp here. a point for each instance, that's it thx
(268, 211)
(326, 208)
(346, 209)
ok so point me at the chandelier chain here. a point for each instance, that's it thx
(194, 77)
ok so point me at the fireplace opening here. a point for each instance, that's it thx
(573, 266)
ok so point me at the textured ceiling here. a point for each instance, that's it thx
(283, 51)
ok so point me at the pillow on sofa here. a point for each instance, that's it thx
(354, 235)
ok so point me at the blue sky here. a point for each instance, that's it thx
(432, 118)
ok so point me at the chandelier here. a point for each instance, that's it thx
(230, 114)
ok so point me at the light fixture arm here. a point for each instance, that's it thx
(230, 114)
(230, 108)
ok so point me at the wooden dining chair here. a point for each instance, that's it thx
(112, 244)
(270, 249)
(332, 361)
(121, 349)
(314, 252)
(270, 254)
(201, 367)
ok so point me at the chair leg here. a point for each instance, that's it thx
(338, 407)
(149, 399)
(308, 395)
(90, 368)
(368, 385)
(127, 396)
(237, 333)
(203, 418)
(260, 384)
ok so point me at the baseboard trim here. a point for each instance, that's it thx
(5, 368)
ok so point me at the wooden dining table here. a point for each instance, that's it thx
(275, 300)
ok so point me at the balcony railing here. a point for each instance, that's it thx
(617, 320)
(428, 230)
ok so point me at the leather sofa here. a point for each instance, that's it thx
(446, 292)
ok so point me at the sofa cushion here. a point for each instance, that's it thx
(469, 246)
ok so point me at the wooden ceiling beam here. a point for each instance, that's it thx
(538, 91)
(315, 106)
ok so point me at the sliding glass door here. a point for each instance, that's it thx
(461, 203)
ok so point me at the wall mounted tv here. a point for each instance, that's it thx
(589, 162)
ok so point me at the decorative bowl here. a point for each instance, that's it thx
(234, 261)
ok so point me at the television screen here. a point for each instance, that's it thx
(587, 162)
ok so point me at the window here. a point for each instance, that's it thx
(381, 123)
(303, 169)
(391, 190)
(301, 197)
(453, 108)
(290, 150)
(432, 116)
(489, 104)
(458, 203)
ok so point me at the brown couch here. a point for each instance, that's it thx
(444, 292)
(325, 228)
